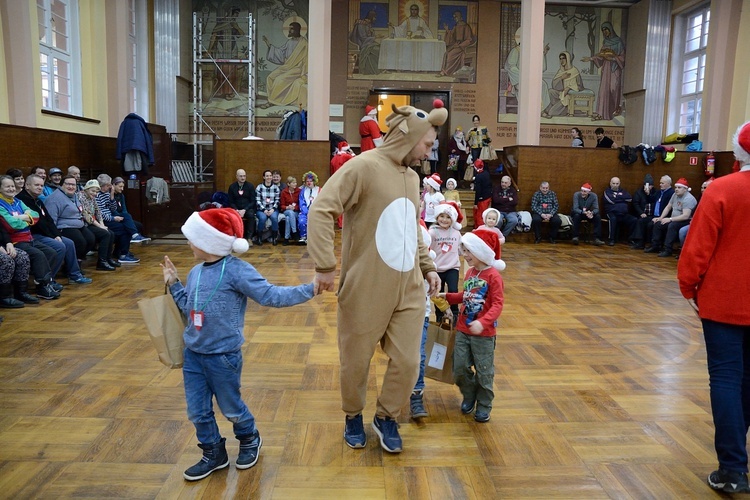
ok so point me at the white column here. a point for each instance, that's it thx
(532, 46)
(318, 69)
(21, 50)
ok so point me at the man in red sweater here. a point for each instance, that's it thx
(717, 285)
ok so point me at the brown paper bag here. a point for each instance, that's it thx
(426, 170)
(469, 173)
(438, 365)
(165, 326)
(488, 153)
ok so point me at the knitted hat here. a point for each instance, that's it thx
(741, 143)
(55, 170)
(485, 246)
(682, 182)
(434, 181)
(217, 231)
(450, 208)
(649, 179)
(586, 187)
(488, 212)
(447, 183)
(369, 110)
(118, 180)
(479, 165)
(92, 183)
(426, 238)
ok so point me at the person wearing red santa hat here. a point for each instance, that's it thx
(343, 154)
(586, 207)
(482, 302)
(675, 215)
(716, 283)
(369, 130)
(214, 300)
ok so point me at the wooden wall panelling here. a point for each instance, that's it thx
(567, 169)
(290, 157)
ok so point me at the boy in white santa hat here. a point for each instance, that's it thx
(214, 299)
(482, 302)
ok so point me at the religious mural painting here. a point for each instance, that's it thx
(411, 40)
(281, 51)
(584, 60)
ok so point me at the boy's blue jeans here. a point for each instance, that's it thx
(728, 356)
(209, 375)
(419, 386)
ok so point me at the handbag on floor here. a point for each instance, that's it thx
(441, 339)
(165, 326)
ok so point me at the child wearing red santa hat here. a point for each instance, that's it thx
(482, 302)
(214, 299)
(431, 198)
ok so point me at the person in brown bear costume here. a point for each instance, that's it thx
(383, 267)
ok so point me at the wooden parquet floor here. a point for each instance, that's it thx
(601, 392)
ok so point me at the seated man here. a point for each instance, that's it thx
(242, 198)
(586, 207)
(617, 210)
(544, 207)
(505, 201)
(45, 232)
(675, 215)
(643, 203)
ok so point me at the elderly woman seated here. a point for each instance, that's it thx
(17, 218)
(14, 274)
(72, 212)
(105, 201)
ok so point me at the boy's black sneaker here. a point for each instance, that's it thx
(467, 406)
(387, 430)
(482, 416)
(416, 405)
(354, 432)
(728, 481)
(214, 458)
(249, 451)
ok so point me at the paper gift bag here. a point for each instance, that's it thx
(441, 338)
(488, 153)
(469, 173)
(165, 326)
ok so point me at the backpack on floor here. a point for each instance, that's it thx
(524, 222)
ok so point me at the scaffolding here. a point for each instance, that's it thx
(223, 84)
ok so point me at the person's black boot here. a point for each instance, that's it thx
(113, 263)
(214, 458)
(275, 238)
(249, 451)
(20, 289)
(7, 301)
(103, 265)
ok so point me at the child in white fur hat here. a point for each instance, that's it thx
(482, 302)
(214, 299)
(491, 217)
(446, 238)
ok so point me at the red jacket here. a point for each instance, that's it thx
(288, 198)
(482, 300)
(713, 263)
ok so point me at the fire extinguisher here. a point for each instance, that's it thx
(709, 164)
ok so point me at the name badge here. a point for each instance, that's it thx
(240, 191)
(197, 317)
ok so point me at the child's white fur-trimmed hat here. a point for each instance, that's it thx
(217, 231)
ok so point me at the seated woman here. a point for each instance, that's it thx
(105, 201)
(290, 207)
(18, 179)
(267, 198)
(306, 198)
(121, 210)
(16, 218)
(92, 216)
(14, 274)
